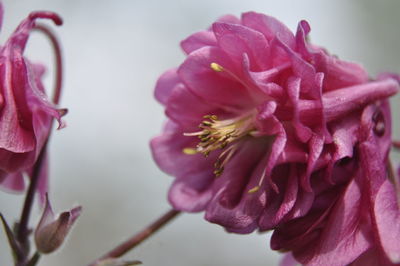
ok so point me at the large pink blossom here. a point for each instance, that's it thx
(267, 131)
(25, 111)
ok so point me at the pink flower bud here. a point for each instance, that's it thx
(51, 230)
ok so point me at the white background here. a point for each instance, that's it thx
(114, 51)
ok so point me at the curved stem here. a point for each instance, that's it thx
(139, 237)
(58, 60)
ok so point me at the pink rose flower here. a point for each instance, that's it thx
(26, 113)
(266, 130)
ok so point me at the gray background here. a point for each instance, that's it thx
(114, 51)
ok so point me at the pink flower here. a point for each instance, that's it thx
(26, 113)
(264, 128)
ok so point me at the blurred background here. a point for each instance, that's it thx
(114, 52)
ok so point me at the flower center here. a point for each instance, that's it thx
(218, 134)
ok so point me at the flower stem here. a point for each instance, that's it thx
(139, 237)
(34, 260)
(58, 60)
(23, 232)
(396, 144)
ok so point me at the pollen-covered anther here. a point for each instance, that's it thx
(216, 67)
(219, 134)
(260, 182)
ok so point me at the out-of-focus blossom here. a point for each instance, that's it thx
(267, 131)
(52, 230)
(25, 111)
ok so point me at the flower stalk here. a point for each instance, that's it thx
(138, 238)
(58, 60)
(23, 231)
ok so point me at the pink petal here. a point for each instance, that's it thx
(281, 203)
(198, 40)
(345, 135)
(187, 109)
(293, 91)
(192, 193)
(215, 87)
(303, 28)
(165, 84)
(301, 68)
(341, 102)
(167, 151)
(263, 80)
(229, 19)
(269, 26)
(236, 40)
(232, 206)
(345, 237)
(13, 137)
(339, 73)
(13, 182)
(372, 257)
(316, 145)
(289, 260)
(387, 215)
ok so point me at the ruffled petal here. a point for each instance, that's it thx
(344, 237)
(221, 88)
(236, 40)
(387, 215)
(278, 205)
(167, 150)
(187, 109)
(232, 205)
(198, 40)
(339, 73)
(165, 84)
(268, 26)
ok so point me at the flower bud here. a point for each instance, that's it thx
(51, 230)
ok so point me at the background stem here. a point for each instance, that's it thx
(139, 237)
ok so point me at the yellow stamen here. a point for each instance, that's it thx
(189, 151)
(218, 134)
(254, 189)
(216, 67)
(257, 188)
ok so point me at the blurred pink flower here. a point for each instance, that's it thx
(26, 112)
(265, 128)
